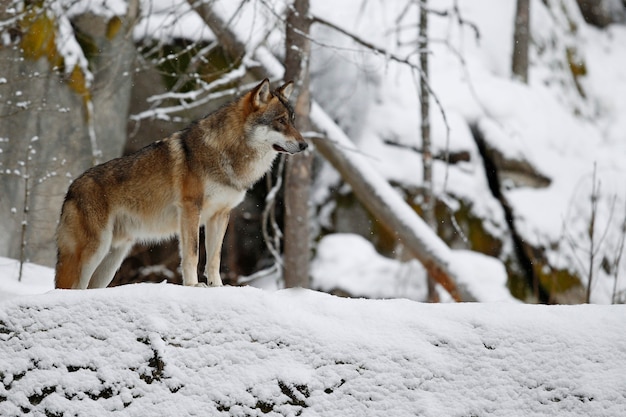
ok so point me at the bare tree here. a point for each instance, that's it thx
(592, 250)
(298, 172)
(427, 154)
(521, 39)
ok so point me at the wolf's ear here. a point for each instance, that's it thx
(286, 89)
(261, 94)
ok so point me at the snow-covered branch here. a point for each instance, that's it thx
(195, 98)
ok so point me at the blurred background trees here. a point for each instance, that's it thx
(83, 82)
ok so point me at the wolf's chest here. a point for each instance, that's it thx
(220, 198)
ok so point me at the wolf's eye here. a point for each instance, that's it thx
(282, 120)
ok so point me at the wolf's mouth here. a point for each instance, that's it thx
(279, 148)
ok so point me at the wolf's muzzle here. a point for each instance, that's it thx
(290, 147)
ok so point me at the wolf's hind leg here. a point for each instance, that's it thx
(92, 256)
(107, 268)
(76, 263)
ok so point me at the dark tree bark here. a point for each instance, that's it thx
(298, 172)
(602, 13)
(521, 39)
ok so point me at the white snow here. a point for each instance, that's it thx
(158, 349)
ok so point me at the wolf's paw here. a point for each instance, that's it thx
(201, 285)
(214, 282)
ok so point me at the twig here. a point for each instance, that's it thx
(618, 259)
(268, 216)
(321, 136)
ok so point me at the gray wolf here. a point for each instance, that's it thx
(172, 187)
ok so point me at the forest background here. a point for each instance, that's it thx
(496, 123)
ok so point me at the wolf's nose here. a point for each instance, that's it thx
(303, 146)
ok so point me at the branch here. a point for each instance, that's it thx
(164, 112)
(364, 43)
(448, 157)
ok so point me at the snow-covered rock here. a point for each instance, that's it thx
(157, 349)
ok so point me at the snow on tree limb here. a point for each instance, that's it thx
(192, 99)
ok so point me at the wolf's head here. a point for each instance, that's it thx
(271, 118)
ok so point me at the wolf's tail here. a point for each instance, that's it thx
(71, 244)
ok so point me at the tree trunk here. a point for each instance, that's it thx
(298, 172)
(427, 155)
(521, 39)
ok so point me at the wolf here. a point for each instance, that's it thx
(172, 187)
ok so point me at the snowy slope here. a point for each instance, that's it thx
(560, 125)
(156, 349)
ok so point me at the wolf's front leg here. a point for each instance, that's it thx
(189, 223)
(214, 237)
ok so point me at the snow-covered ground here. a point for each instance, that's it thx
(157, 349)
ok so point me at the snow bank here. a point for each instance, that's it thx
(157, 349)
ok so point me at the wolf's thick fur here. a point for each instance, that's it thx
(172, 187)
